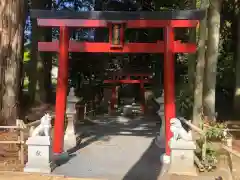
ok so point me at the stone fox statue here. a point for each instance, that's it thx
(43, 129)
(178, 130)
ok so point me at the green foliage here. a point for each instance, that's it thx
(215, 131)
(184, 103)
(26, 56)
(210, 160)
(215, 134)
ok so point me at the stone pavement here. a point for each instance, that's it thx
(117, 149)
(120, 149)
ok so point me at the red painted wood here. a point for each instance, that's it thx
(160, 23)
(96, 47)
(61, 91)
(126, 81)
(121, 74)
(88, 23)
(169, 83)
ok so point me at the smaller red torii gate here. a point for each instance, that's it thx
(126, 78)
(117, 22)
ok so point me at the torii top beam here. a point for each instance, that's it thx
(120, 15)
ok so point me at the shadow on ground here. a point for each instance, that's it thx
(148, 167)
(106, 126)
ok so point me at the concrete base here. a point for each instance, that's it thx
(165, 159)
(70, 141)
(39, 155)
(182, 157)
(40, 168)
(60, 157)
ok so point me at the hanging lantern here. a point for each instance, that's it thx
(116, 34)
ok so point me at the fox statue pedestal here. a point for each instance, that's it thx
(182, 150)
(40, 148)
(39, 155)
(182, 158)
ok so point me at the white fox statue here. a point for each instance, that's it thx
(43, 129)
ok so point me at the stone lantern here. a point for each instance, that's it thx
(70, 139)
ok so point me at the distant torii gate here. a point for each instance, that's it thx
(127, 78)
(117, 22)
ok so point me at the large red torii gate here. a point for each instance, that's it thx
(116, 21)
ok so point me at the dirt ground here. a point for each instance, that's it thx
(23, 176)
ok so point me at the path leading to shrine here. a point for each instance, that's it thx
(119, 148)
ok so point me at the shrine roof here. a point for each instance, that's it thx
(120, 15)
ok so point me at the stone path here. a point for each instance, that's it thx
(117, 149)
(120, 149)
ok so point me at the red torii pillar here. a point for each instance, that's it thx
(61, 91)
(169, 83)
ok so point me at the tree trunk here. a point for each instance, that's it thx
(36, 77)
(191, 57)
(198, 89)
(212, 58)
(40, 63)
(11, 48)
(48, 61)
(237, 71)
(47, 69)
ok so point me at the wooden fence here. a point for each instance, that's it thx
(21, 129)
(20, 126)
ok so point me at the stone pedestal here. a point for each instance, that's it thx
(39, 155)
(182, 157)
(127, 110)
(70, 139)
(161, 138)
